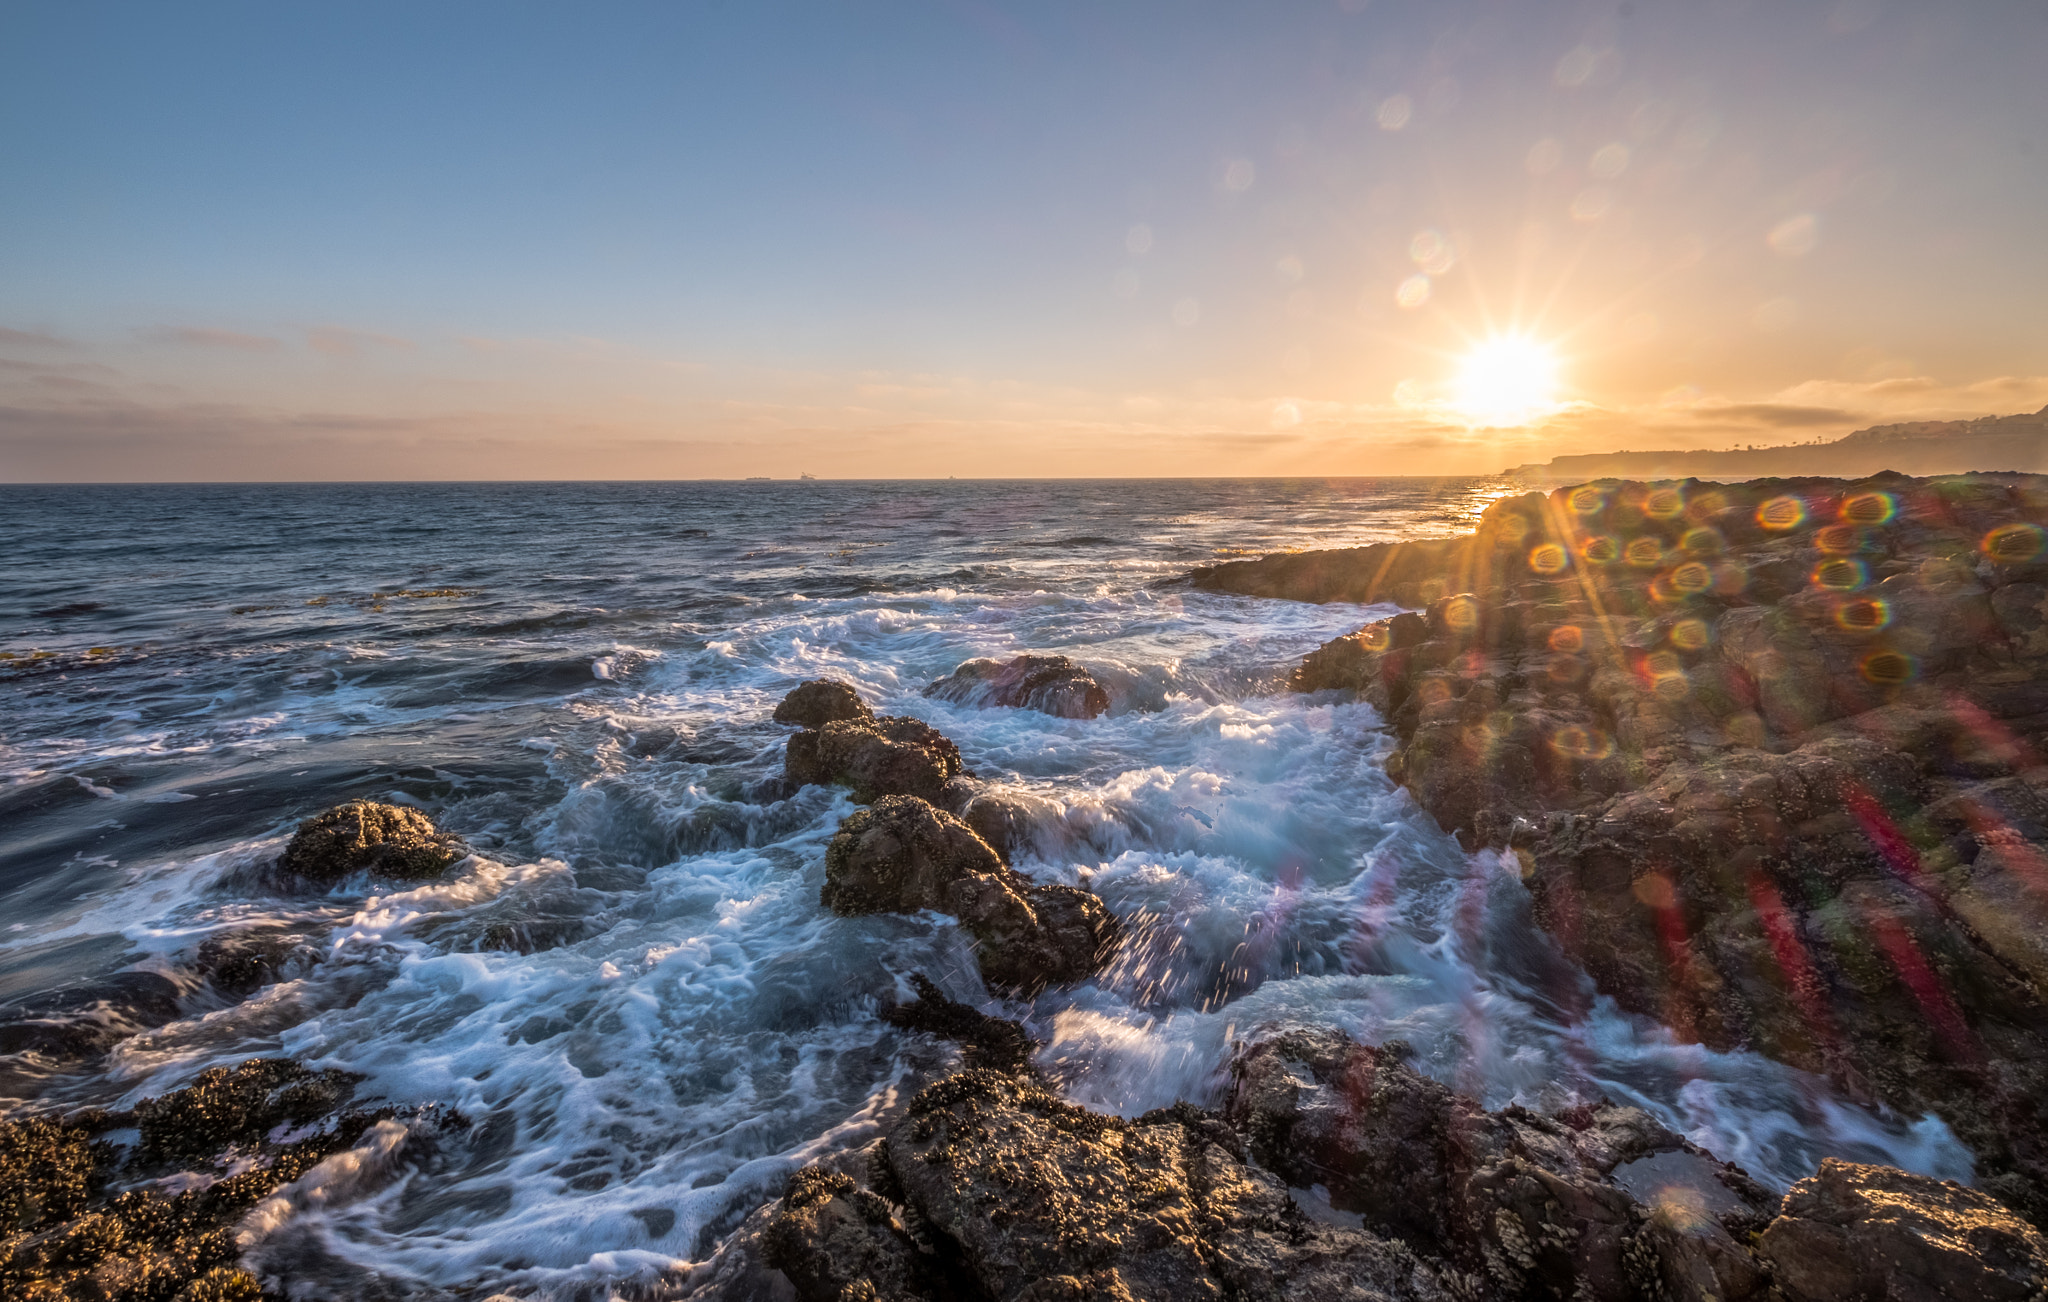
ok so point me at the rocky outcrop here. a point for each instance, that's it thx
(1049, 684)
(816, 702)
(1531, 1202)
(903, 855)
(63, 1236)
(990, 1186)
(994, 1188)
(887, 755)
(984, 1041)
(368, 836)
(1770, 756)
(1854, 1232)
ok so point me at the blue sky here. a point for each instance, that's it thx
(290, 241)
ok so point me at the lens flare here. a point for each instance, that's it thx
(1582, 743)
(1692, 577)
(1567, 637)
(1840, 574)
(1703, 541)
(1664, 504)
(1587, 500)
(1507, 380)
(1888, 668)
(1644, 553)
(2010, 543)
(1839, 539)
(1869, 615)
(1781, 513)
(1870, 509)
(1549, 559)
(1689, 634)
(1600, 550)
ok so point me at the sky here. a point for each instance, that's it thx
(898, 239)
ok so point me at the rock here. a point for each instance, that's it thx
(373, 837)
(1872, 1232)
(834, 1240)
(241, 962)
(995, 1042)
(1049, 684)
(876, 757)
(226, 1106)
(1531, 1201)
(903, 855)
(816, 702)
(1011, 820)
(1040, 1199)
(62, 1237)
(1769, 756)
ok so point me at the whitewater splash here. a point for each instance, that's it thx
(650, 1020)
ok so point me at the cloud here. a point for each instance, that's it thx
(31, 339)
(340, 341)
(205, 337)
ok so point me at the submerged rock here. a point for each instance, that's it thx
(1878, 1232)
(816, 702)
(1770, 757)
(1049, 684)
(373, 837)
(887, 755)
(903, 855)
(985, 1041)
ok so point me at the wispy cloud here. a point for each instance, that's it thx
(207, 337)
(341, 341)
(31, 339)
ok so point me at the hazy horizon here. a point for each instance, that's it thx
(635, 242)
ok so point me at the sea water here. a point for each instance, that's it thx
(631, 991)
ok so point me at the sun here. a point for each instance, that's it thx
(1507, 380)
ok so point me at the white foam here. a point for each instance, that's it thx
(637, 1089)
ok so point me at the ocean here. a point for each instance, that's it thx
(632, 990)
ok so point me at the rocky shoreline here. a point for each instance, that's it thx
(1769, 755)
(1332, 1169)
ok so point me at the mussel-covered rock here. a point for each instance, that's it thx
(876, 756)
(816, 702)
(903, 855)
(370, 836)
(65, 1234)
(1049, 684)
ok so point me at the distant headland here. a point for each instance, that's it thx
(1926, 447)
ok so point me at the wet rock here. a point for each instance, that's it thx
(1041, 1199)
(1527, 1200)
(61, 1237)
(995, 1042)
(241, 1104)
(242, 962)
(834, 1240)
(373, 837)
(816, 702)
(1768, 756)
(903, 855)
(890, 755)
(1855, 1232)
(1012, 821)
(47, 1172)
(1049, 684)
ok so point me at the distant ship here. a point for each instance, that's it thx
(810, 477)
